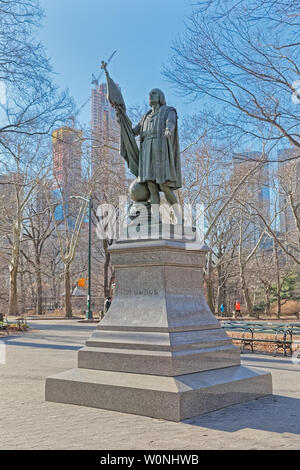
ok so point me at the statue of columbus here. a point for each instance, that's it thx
(156, 163)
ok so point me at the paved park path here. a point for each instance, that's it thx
(28, 422)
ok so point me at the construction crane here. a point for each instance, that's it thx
(95, 81)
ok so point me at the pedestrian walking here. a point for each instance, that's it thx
(237, 308)
(107, 304)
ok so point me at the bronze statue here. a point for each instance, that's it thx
(156, 164)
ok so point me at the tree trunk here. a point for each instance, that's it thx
(13, 308)
(54, 290)
(68, 303)
(106, 287)
(32, 291)
(22, 300)
(245, 291)
(39, 292)
(277, 280)
(244, 287)
(209, 284)
(267, 300)
(253, 303)
(23, 295)
(278, 300)
(39, 286)
(221, 295)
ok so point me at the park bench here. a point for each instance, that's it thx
(21, 321)
(4, 324)
(282, 334)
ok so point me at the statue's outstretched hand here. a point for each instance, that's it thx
(168, 133)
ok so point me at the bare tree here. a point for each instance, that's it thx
(109, 186)
(21, 173)
(31, 103)
(243, 56)
(37, 230)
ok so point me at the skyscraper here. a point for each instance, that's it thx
(260, 181)
(289, 191)
(106, 163)
(258, 187)
(104, 125)
(67, 155)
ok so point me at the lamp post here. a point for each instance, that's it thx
(88, 313)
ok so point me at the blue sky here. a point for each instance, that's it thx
(78, 34)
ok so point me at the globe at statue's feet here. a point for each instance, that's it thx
(139, 192)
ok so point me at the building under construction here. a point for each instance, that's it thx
(67, 156)
(104, 127)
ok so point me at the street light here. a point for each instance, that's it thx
(88, 313)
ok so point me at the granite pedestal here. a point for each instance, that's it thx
(159, 351)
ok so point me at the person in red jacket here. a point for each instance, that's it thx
(237, 308)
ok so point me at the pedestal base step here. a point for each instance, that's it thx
(163, 363)
(170, 398)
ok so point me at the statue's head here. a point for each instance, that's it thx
(157, 96)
